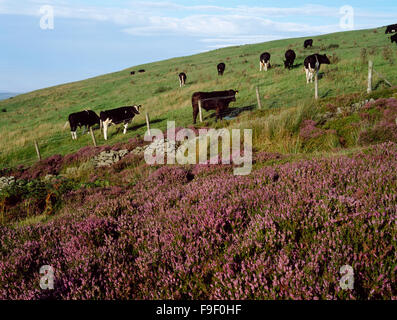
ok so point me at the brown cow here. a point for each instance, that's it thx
(216, 100)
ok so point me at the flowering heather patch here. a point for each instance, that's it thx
(262, 157)
(281, 233)
(84, 154)
(309, 130)
(51, 165)
(383, 113)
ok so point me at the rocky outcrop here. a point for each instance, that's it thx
(344, 110)
(6, 181)
(108, 158)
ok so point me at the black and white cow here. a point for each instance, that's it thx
(264, 61)
(393, 38)
(221, 68)
(86, 118)
(308, 43)
(116, 116)
(290, 57)
(310, 65)
(182, 79)
(391, 29)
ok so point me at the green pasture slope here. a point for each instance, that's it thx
(42, 114)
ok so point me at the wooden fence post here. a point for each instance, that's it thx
(36, 145)
(258, 97)
(93, 137)
(148, 123)
(316, 82)
(370, 69)
(200, 112)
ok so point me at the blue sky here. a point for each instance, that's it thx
(95, 37)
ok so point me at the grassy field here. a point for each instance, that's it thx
(42, 114)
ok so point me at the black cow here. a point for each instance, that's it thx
(142, 71)
(264, 61)
(182, 79)
(86, 118)
(310, 64)
(290, 57)
(391, 29)
(393, 38)
(221, 68)
(116, 116)
(308, 43)
(132, 73)
(216, 100)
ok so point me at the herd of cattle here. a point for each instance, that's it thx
(216, 100)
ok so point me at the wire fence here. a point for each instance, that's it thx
(37, 148)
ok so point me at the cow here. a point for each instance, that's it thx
(132, 73)
(86, 118)
(393, 38)
(116, 116)
(221, 68)
(308, 43)
(264, 61)
(216, 100)
(310, 64)
(391, 29)
(182, 79)
(142, 71)
(290, 57)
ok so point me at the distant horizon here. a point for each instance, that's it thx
(85, 41)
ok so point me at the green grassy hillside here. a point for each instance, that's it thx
(42, 114)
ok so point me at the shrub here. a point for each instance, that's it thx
(31, 198)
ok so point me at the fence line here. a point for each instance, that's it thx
(59, 137)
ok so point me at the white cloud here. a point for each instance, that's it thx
(237, 25)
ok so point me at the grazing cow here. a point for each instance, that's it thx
(393, 38)
(216, 100)
(264, 61)
(142, 71)
(290, 57)
(86, 118)
(182, 79)
(221, 68)
(116, 116)
(310, 65)
(391, 29)
(132, 73)
(308, 43)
